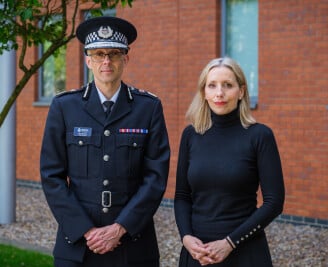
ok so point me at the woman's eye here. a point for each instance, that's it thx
(227, 85)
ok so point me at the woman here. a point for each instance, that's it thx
(224, 157)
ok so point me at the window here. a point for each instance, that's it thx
(88, 77)
(52, 75)
(240, 39)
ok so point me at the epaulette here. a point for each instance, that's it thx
(142, 92)
(72, 91)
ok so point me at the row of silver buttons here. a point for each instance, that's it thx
(106, 182)
(246, 236)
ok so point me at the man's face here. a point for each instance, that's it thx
(106, 64)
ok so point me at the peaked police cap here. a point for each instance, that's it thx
(106, 32)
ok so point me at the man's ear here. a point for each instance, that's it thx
(88, 61)
(126, 59)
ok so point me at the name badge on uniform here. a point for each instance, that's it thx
(82, 131)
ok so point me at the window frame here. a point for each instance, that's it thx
(224, 40)
(41, 99)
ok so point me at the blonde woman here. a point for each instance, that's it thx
(224, 157)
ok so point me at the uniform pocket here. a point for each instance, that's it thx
(83, 152)
(129, 154)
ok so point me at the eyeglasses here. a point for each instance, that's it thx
(100, 56)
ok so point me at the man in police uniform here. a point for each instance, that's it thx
(105, 159)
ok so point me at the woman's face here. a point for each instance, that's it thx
(222, 91)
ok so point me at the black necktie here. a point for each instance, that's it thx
(108, 105)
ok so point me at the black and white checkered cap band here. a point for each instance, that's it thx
(117, 40)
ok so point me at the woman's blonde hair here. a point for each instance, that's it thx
(199, 113)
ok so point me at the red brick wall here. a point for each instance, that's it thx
(293, 97)
(176, 39)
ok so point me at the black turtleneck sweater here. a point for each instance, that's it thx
(218, 176)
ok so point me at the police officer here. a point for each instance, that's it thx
(105, 159)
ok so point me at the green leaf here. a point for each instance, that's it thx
(26, 14)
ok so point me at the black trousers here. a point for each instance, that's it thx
(110, 259)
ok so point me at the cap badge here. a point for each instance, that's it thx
(105, 32)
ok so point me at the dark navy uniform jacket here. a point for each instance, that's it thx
(96, 170)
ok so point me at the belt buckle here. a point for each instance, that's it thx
(106, 195)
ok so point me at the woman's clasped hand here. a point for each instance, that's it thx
(207, 253)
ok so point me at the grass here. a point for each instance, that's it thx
(11, 256)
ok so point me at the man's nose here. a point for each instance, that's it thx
(107, 58)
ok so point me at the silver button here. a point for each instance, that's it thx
(134, 145)
(81, 143)
(105, 182)
(106, 158)
(105, 210)
(135, 238)
(107, 132)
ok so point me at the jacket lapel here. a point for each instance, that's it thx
(121, 107)
(94, 107)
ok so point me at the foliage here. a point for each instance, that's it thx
(28, 23)
(12, 257)
(18, 19)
